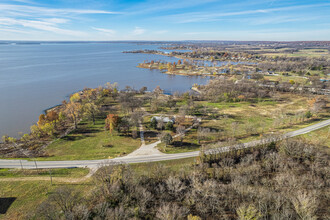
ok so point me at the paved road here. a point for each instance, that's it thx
(140, 158)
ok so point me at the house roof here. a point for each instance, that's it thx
(164, 119)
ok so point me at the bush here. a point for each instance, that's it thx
(169, 126)
(107, 145)
(308, 114)
(153, 123)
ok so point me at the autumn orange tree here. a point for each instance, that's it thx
(52, 116)
(111, 122)
(42, 120)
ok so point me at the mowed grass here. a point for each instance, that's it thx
(61, 172)
(90, 142)
(174, 165)
(25, 196)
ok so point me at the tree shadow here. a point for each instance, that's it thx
(184, 145)
(5, 204)
(150, 134)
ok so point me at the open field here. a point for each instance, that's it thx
(91, 142)
(246, 121)
(300, 53)
(24, 196)
(319, 137)
(62, 172)
(174, 165)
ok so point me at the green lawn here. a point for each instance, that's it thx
(27, 195)
(61, 172)
(175, 165)
(90, 142)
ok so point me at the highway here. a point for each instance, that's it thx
(151, 157)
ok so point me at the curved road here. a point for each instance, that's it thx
(151, 157)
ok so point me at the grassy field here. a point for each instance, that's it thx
(247, 121)
(90, 142)
(319, 137)
(174, 165)
(61, 172)
(300, 53)
(24, 196)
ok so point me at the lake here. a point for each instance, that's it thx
(34, 77)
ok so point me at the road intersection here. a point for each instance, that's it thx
(145, 154)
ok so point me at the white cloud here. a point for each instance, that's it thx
(14, 30)
(56, 20)
(39, 25)
(207, 17)
(43, 11)
(106, 31)
(24, 1)
(138, 31)
(19, 17)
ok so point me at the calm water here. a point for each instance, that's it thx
(36, 77)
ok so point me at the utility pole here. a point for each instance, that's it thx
(35, 162)
(20, 161)
(51, 178)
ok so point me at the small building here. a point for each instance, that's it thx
(164, 119)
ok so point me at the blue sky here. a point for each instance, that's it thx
(164, 20)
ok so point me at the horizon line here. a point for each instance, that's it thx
(164, 41)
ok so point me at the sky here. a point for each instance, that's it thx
(167, 20)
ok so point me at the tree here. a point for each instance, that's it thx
(171, 103)
(52, 116)
(248, 213)
(202, 133)
(169, 126)
(153, 123)
(42, 120)
(143, 89)
(129, 102)
(180, 131)
(166, 138)
(35, 131)
(124, 125)
(90, 110)
(65, 198)
(5, 139)
(135, 118)
(73, 111)
(75, 97)
(48, 128)
(160, 124)
(158, 91)
(111, 122)
(308, 114)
